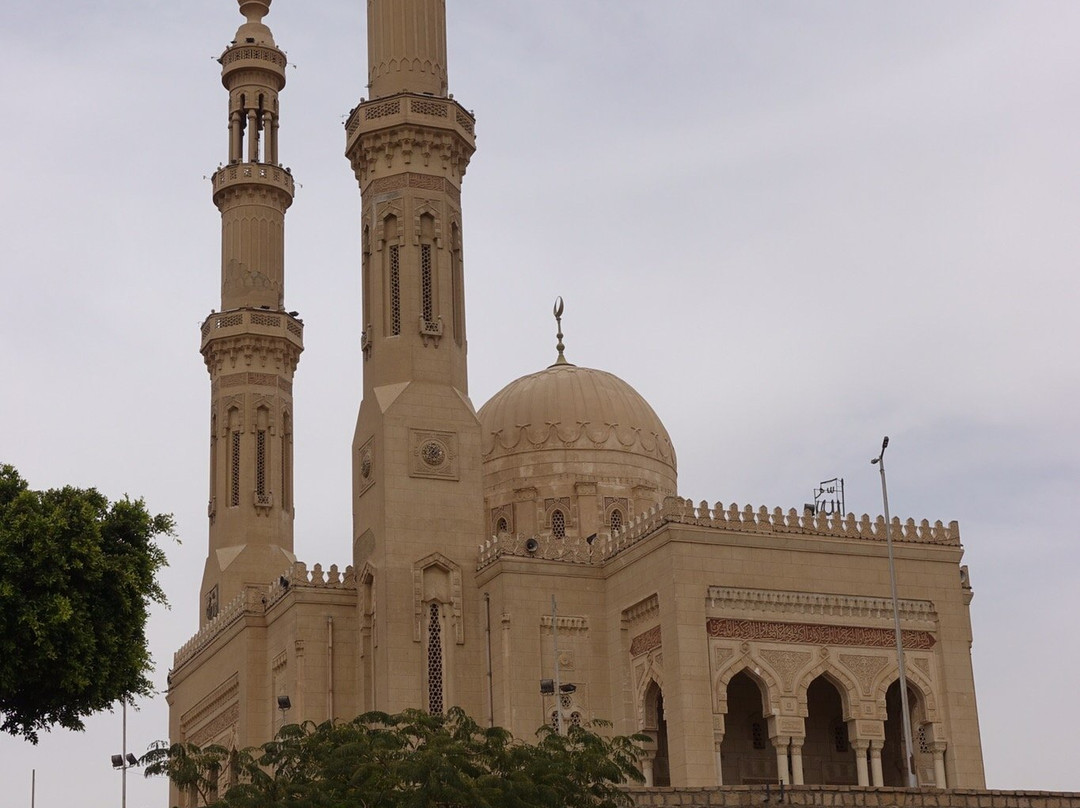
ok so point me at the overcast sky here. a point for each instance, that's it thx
(794, 227)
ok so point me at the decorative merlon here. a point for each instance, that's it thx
(255, 602)
(733, 519)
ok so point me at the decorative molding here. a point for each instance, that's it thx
(365, 467)
(567, 623)
(864, 668)
(583, 435)
(456, 594)
(772, 601)
(642, 610)
(815, 634)
(645, 642)
(787, 664)
(433, 454)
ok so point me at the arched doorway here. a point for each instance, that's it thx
(828, 757)
(746, 755)
(893, 770)
(656, 724)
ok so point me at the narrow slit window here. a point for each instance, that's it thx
(234, 468)
(435, 661)
(395, 290)
(426, 299)
(260, 464)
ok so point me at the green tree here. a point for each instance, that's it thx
(409, 760)
(77, 576)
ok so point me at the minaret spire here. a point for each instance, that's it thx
(252, 345)
(417, 489)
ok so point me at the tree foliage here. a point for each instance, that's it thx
(77, 576)
(409, 760)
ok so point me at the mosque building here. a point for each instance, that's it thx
(531, 561)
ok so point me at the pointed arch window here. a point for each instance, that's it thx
(558, 524)
(616, 520)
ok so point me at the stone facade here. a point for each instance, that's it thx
(541, 537)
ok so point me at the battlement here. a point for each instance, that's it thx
(256, 601)
(732, 518)
(676, 510)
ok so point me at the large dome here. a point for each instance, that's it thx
(578, 424)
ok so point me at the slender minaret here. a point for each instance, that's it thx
(252, 345)
(417, 492)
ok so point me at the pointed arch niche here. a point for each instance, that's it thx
(746, 753)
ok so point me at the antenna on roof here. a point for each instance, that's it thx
(558, 312)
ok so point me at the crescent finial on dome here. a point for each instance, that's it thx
(558, 312)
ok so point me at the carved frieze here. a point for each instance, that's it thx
(816, 634)
(645, 642)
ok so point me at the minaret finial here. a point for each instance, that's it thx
(558, 312)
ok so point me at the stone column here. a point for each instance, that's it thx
(796, 761)
(860, 748)
(939, 765)
(718, 740)
(878, 779)
(646, 769)
(780, 742)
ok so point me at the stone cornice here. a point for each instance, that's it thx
(806, 603)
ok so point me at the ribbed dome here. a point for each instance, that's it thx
(570, 407)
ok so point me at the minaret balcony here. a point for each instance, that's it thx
(410, 110)
(255, 176)
(253, 322)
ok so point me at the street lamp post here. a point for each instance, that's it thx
(125, 760)
(909, 755)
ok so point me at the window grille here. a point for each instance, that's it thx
(757, 732)
(234, 469)
(575, 719)
(395, 291)
(616, 520)
(501, 526)
(558, 524)
(260, 464)
(435, 661)
(427, 304)
(840, 737)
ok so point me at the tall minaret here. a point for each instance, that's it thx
(417, 491)
(252, 345)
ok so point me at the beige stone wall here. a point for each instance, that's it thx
(738, 797)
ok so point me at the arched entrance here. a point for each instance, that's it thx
(656, 724)
(746, 754)
(893, 770)
(828, 757)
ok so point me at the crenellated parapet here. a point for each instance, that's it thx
(677, 510)
(732, 518)
(255, 602)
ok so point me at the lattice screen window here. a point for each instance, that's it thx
(286, 463)
(616, 520)
(924, 743)
(234, 468)
(575, 719)
(558, 524)
(555, 718)
(501, 526)
(260, 465)
(426, 297)
(435, 661)
(840, 737)
(395, 290)
(757, 733)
